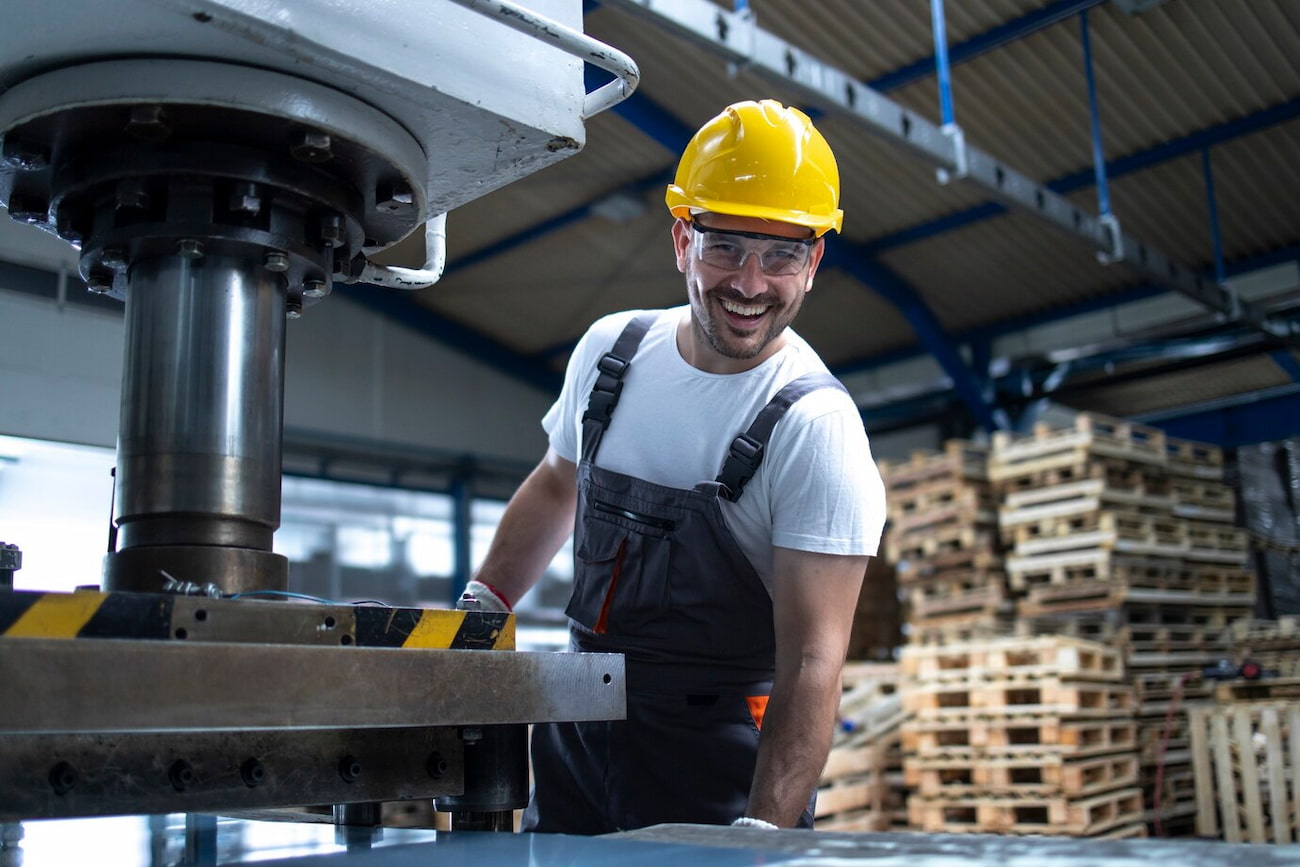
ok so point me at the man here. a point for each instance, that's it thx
(726, 506)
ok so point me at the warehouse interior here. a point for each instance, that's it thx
(1070, 226)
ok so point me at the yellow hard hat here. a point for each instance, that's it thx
(759, 159)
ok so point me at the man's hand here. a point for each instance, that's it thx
(481, 596)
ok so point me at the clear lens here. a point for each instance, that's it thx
(730, 250)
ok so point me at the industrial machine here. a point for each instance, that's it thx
(219, 164)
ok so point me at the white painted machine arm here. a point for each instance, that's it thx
(593, 51)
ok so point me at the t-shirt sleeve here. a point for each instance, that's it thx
(826, 493)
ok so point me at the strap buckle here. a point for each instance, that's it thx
(742, 462)
(606, 391)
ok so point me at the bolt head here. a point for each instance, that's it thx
(149, 123)
(28, 210)
(331, 231)
(99, 282)
(315, 289)
(131, 193)
(246, 198)
(276, 262)
(22, 155)
(190, 248)
(114, 257)
(311, 146)
(394, 197)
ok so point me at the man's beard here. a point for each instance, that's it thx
(713, 332)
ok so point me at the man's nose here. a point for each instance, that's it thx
(750, 278)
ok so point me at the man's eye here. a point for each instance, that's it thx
(780, 255)
(723, 248)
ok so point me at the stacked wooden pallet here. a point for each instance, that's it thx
(1247, 760)
(1123, 535)
(1020, 736)
(1246, 746)
(942, 539)
(862, 785)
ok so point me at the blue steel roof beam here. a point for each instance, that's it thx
(926, 326)
(398, 306)
(1288, 363)
(1008, 326)
(1017, 28)
(739, 40)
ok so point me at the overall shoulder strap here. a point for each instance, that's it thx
(609, 382)
(746, 451)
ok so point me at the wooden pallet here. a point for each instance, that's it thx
(959, 628)
(1102, 530)
(940, 503)
(953, 544)
(1194, 459)
(1027, 776)
(1033, 815)
(1092, 436)
(932, 600)
(1258, 690)
(864, 792)
(1046, 696)
(1097, 566)
(1208, 501)
(863, 820)
(1014, 736)
(1049, 656)
(958, 461)
(1042, 601)
(1038, 505)
(1246, 760)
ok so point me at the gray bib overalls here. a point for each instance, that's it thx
(659, 577)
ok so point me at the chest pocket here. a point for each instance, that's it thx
(621, 568)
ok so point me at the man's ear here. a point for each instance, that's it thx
(681, 243)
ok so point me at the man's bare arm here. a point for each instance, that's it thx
(536, 522)
(814, 598)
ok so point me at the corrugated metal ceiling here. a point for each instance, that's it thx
(531, 264)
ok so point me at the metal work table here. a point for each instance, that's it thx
(203, 840)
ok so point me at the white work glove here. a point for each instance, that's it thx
(747, 822)
(480, 596)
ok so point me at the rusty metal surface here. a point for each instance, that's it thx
(96, 686)
(55, 776)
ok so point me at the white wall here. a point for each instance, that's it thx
(350, 373)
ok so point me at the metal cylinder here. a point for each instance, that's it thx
(496, 779)
(200, 436)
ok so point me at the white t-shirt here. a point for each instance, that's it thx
(817, 489)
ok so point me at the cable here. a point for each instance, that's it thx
(1157, 796)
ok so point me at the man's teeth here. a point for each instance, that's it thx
(742, 310)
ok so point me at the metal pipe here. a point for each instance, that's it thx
(435, 259)
(593, 51)
(941, 62)
(199, 448)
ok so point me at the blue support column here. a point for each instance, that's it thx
(941, 62)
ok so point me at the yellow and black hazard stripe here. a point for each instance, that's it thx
(150, 616)
(430, 628)
(84, 614)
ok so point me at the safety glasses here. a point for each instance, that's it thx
(729, 250)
